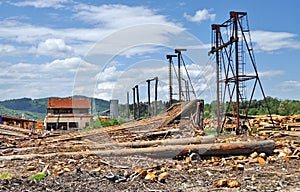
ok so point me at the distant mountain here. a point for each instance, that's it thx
(26, 104)
(37, 108)
(20, 113)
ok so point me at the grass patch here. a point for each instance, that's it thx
(210, 131)
(99, 123)
(5, 176)
(38, 176)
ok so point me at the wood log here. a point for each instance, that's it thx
(142, 144)
(12, 133)
(170, 151)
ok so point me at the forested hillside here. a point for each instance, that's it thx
(36, 108)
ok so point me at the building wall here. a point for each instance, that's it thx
(66, 123)
(68, 113)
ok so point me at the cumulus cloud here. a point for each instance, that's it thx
(118, 16)
(272, 41)
(200, 15)
(54, 47)
(39, 80)
(105, 17)
(42, 3)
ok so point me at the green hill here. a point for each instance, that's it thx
(36, 109)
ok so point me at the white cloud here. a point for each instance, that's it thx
(42, 3)
(289, 85)
(54, 47)
(4, 48)
(55, 78)
(117, 16)
(272, 41)
(271, 73)
(200, 15)
(81, 39)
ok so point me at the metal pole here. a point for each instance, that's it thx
(149, 102)
(178, 51)
(127, 106)
(155, 95)
(170, 80)
(217, 31)
(169, 57)
(235, 23)
(138, 101)
(179, 77)
(134, 104)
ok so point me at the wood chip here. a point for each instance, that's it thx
(233, 183)
(30, 168)
(261, 160)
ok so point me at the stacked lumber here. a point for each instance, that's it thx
(265, 122)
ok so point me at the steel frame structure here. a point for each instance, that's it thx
(231, 44)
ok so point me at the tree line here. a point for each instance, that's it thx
(259, 107)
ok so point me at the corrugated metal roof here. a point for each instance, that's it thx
(67, 103)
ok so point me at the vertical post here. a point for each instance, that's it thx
(235, 27)
(179, 76)
(217, 34)
(178, 51)
(138, 101)
(155, 95)
(127, 106)
(170, 79)
(134, 104)
(169, 57)
(149, 102)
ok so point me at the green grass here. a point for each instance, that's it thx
(5, 176)
(100, 123)
(210, 131)
(38, 176)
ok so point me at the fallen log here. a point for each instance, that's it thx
(142, 144)
(171, 151)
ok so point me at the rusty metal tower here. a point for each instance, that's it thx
(231, 44)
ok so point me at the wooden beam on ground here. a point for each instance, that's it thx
(142, 144)
(170, 151)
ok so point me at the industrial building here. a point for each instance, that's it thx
(68, 113)
(17, 122)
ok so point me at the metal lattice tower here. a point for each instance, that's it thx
(235, 66)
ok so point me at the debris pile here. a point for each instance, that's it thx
(163, 153)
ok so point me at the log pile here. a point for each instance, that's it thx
(264, 122)
(170, 134)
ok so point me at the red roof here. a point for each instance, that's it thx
(68, 103)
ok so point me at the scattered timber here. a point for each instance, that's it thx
(142, 144)
(170, 151)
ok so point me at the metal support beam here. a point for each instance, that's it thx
(178, 51)
(138, 101)
(134, 104)
(169, 57)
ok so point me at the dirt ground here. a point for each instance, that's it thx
(141, 173)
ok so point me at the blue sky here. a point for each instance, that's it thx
(66, 47)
